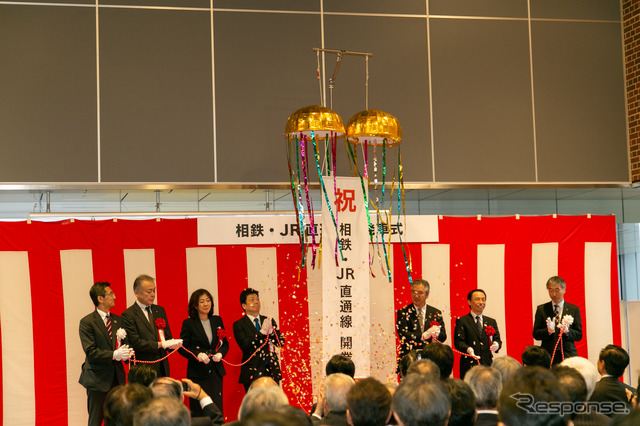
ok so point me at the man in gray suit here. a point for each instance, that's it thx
(102, 369)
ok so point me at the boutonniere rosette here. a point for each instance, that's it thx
(490, 332)
(566, 322)
(222, 333)
(121, 334)
(160, 325)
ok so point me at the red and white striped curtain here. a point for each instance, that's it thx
(46, 270)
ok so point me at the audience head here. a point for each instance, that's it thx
(425, 367)
(166, 386)
(336, 387)
(613, 360)
(340, 364)
(463, 403)
(142, 374)
(536, 356)
(407, 360)
(263, 382)
(587, 369)
(368, 403)
(442, 355)
(194, 301)
(525, 387)
(486, 383)
(419, 401)
(506, 365)
(572, 382)
(262, 399)
(162, 411)
(122, 401)
(281, 416)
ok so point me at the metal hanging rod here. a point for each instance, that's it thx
(344, 52)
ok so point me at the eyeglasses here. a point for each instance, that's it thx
(418, 292)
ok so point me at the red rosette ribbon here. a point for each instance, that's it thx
(222, 333)
(160, 325)
(490, 332)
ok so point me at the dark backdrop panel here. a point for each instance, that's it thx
(494, 8)
(398, 81)
(47, 94)
(576, 9)
(376, 6)
(156, 96)
(296, 5)
(579, 95)
(265, 70)
(483, 124)
(159, 3)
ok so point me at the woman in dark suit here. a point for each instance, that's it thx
(204, 335)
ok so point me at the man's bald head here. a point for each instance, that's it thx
(263, 382)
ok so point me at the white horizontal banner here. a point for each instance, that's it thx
(279, 229)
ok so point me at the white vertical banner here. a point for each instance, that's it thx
(345, 283)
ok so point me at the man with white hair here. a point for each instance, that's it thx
(486, 383)
(334, 408)
(262, 399)
(586, 368)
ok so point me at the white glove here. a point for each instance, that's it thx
(217, 357)
(564, 328)
(551, 325)
(434, 330)
(202, 357)
(266, 326)
(494, 347)
(123, 353)
(171, 344)
(471, 352)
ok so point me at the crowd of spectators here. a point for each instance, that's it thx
(574, 391)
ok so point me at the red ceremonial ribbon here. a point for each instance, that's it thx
(490, 332)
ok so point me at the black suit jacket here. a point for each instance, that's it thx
(249, 339)
(610, 389)
(408, 327)
(195, 339)
(548, 341)
(466, 335)
(143, 337)
(99, 367)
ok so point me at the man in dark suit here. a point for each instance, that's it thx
(548, 323)
(413, 322)
(470, 335)
(147, 326)
(255, 332)
(612, 362)
(102, 369)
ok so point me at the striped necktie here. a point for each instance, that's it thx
(108, 324)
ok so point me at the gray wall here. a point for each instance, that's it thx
(485, 90)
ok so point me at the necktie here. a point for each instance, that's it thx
(420, 319)
(108, 324)
(479, 324)
(256, 321)
(556, 313)
(149, 315)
